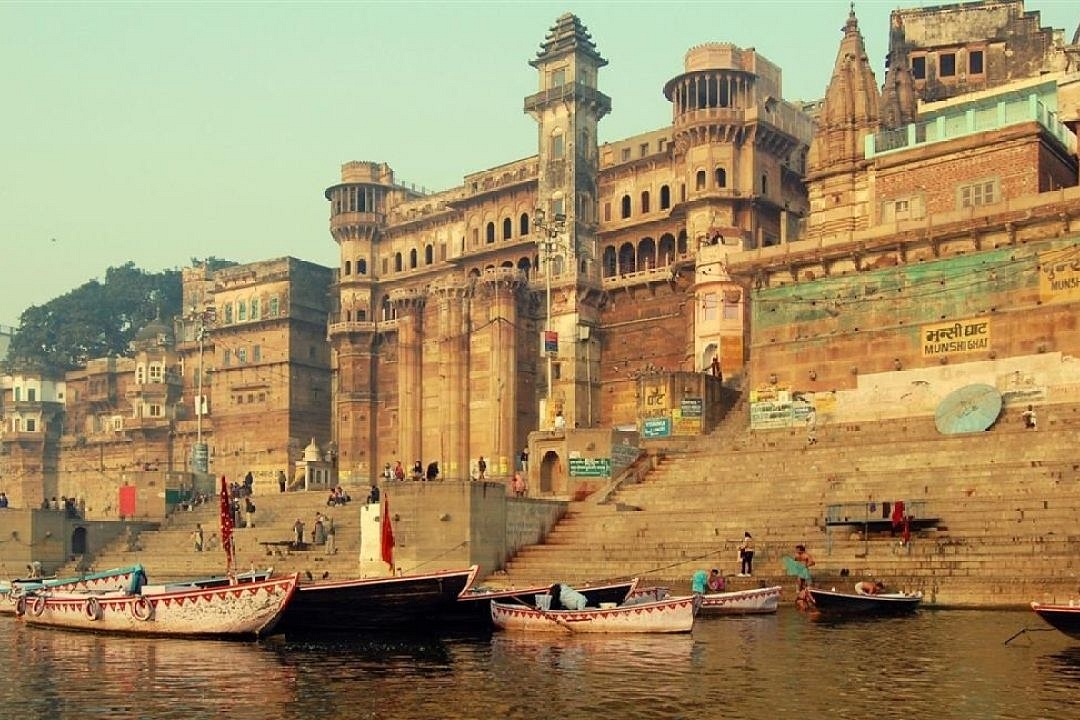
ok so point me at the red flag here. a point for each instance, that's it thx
(386, 536)
(226, 523)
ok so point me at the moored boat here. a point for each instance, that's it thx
(1064, 618)
(673, 615)
(413, 602)
(843, 603)
(247, 609)
(473, 607)
(757, 601)
(127, 579)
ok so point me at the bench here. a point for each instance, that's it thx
(879, 525)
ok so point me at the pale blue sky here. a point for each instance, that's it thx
(158, 132)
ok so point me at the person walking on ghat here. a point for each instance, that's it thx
(197, 537)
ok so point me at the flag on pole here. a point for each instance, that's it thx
(226, 525)
(386, 535)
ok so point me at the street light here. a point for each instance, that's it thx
(549, 241)
(200, 455)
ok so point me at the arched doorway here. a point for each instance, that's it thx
(550, 472)
(78, 541)
(711, 351)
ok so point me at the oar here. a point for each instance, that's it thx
(545, 613)
(1021, 631)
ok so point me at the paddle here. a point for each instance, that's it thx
(546, 613)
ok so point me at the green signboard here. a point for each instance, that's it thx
(590, 467)
(655, 427)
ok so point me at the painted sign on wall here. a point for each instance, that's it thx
(955, 337)
(655, 427)
(1059, 275)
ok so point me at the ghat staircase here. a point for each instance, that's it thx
(995, 513)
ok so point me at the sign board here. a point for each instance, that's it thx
(682, 425)
(623, 455)
(551, 341)
(656, 427)
(590, 467)
(955, 337)
(690, 407)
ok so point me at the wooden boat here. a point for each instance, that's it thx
(243, 610)
(209, 582)
(473, 606)
(741, 602)
(1064, 618)
(673, 615)
(122, 579)
(843, 603)
(411, 602)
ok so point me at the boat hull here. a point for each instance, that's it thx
(674, 615)
(123, 579)
(759, 601)
(474, 608)
(243, 610)
(839, 603)
(411, 602)
(1064, 618)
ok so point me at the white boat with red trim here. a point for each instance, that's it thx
(758, 601)
(673, 615)
(242, 610)
(122, 579)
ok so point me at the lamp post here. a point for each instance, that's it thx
(548, 242)
(200, 456)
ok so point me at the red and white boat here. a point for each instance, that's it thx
(758, 601)
(673, 615)
(125, 579)
(1064, 618)
(247, 609)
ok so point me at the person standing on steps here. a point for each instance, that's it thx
(811, 427)
(197, 537)
(481, 468)
(746, 555)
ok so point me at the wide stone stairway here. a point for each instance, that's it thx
(168, 553)
(995, 514)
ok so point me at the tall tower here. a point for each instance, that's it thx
(567, 109)
(898, 101)
(357, 211)
(836, 177)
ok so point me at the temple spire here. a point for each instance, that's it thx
(898, 101)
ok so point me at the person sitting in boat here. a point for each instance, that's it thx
(865, 587)
(716, 581)
(571, 599)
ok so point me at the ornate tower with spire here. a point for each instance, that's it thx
(567, 109)
(898, 100)
(836, 181)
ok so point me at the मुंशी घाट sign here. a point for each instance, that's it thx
(955, 337)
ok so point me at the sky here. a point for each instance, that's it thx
(162, 132)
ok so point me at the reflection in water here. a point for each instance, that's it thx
(949, 666)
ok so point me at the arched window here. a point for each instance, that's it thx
(348, 268)
(412, 259)
(508, 229)
(682, 242)
(397, 262)
(361, 267)
(524, 266)
(721, 177)
(627, 261)
(609, 266)
(429, 254)
(490, 233)
(666, 255)
(558, 145)
(665, 197)
(646, 254)
(700, 181)
(625, 206)
(645, 201)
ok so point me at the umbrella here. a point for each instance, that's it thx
(972, 408)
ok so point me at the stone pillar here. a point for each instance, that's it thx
(454, 326)
(410, 305)
(501, 287)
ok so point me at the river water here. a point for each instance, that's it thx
(935, 664)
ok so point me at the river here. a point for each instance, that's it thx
(935, 664)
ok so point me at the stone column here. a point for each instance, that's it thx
(453, 296)
(409, 303)
(501, 287)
